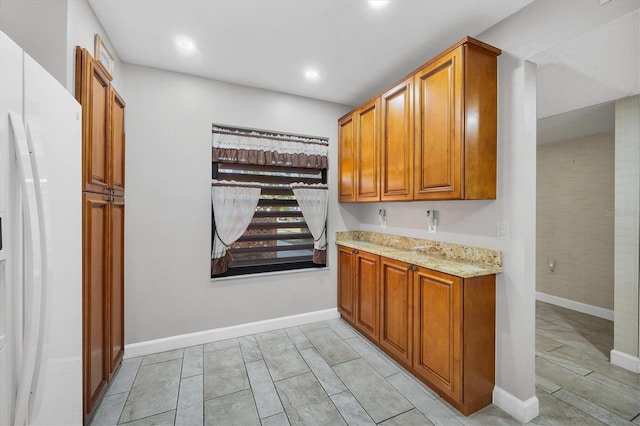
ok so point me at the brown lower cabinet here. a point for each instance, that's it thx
(95, 233)
(438, 326)
(396, 320)
(358, 297)
(103, 293)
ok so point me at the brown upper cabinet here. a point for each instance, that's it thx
(116, 160)
(396, 162)
(346, 159)
(438, 132)
(103, 127)
(359, 154)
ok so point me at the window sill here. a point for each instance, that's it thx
(268, 274)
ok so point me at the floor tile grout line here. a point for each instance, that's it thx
(593, 357)
(598, 405)
(146, 417)
(270, 377)
(334, 372)
(617, 391)
(357, 334)
(399, 414)
(596, 345)
(130, 390)
(202, 413)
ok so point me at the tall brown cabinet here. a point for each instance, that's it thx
(103, 146)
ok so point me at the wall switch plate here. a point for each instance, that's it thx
(502, 230)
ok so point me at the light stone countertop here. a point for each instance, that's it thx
(453, 259)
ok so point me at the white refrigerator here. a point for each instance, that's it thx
(40, 245)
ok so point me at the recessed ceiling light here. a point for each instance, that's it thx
(378, 4)
(185, 44)
(311, 74)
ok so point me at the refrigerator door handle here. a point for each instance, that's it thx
(38, 164)
(33, 272)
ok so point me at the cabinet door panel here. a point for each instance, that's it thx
(92, 90)
(116, 283)
(368, 152)
(346, 160)
(397, 143)
(116, 161)
(346, 290)
(95, 248)
(437, 330)
(438, 152)
(395, 309)
(367, 297)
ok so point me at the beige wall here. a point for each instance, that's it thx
(575, 219)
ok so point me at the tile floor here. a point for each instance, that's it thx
(326, 373)
(575, 382)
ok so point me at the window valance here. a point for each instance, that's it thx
(230, 145)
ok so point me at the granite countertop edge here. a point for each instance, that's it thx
(418, 258)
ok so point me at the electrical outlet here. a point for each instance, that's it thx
(502, 230)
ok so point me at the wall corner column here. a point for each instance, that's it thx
(626, 349)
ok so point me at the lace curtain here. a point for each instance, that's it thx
(234, 204)
(252, 147)
(314, 201)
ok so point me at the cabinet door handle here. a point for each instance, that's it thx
(355, 252)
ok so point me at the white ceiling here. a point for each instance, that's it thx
(359, 50)
(592, 120)
(579, 80)
(599, 66)
(356, 49)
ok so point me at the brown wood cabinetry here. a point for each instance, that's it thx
(95, 234)
(358, 291)
(396, 321)
(367, 294)
(116, 149)
(439, 326)
(437, 301)
(346, 159)
(396, 162)
(359, 154)
(454, 336)
(103, 188)
(346, 288)
(438, 132)
(367, 146)
(94, 87)
(115, 297)
(455, 112)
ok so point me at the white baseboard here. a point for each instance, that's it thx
(191, 339)
(596, 311)
(522, 411)
(626, 361)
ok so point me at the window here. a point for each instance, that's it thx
(277, 238)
